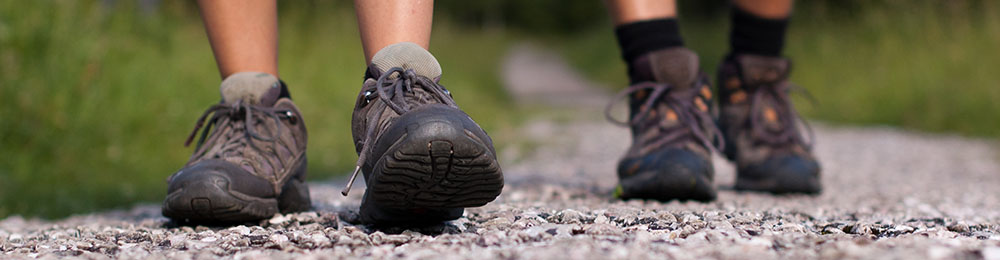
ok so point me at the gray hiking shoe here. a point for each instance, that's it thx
(761, 127)
(423, 159)
(673, 133)
(250, 161)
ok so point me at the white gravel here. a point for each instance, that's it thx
(889, 194)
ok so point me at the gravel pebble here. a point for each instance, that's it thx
(887, 194)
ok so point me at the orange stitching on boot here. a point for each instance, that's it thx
(738, 97)
(671, 115)
(701, 104)
(770, 115)
(733, 83)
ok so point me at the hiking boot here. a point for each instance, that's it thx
(423, 159)
(673, 134)
(762, 129)
(250, 161)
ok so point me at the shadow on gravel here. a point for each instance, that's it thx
(450, 227)
(431, 230)
(282, 221)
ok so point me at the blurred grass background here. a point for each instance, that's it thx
(96, 97)
(925, 65)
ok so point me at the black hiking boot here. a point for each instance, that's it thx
(423, 159)
(761, 127)
(250, 161)
(673, 134)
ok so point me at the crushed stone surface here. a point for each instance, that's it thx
(888, 194)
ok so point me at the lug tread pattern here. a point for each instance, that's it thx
(436, 175)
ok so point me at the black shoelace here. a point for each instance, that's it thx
(789, 131)
(237, 112)
(693, 121)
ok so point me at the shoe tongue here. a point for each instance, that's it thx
(675, 66)
(407, 55)
(253, 88)
(763, 69)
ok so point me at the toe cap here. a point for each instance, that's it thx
(784, 174)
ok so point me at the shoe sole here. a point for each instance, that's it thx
(783, 184)
(688, 177)
(672, 187)
(788, 174)
(211, 201)
(432, 172)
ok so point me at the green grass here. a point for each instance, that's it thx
(96, 101)
(915, 64)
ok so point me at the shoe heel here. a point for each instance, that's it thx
(434, 170)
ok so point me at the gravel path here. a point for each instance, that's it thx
(888, 194)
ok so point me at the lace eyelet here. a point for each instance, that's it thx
(291, 117)
(367, 98)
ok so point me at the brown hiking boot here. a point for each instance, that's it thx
(673, 134)
(250, 161)
(423, 159)
(761, 127)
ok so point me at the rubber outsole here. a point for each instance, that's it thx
(790, 174)
(212, 196)
(672, 174)
(212, 202)
(432, 172)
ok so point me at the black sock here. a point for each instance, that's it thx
(284, 91)
(638, 38)
(752, 34)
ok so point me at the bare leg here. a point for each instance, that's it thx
(627, 11)
(386, 22)
(244, 38)
(768, 9)
(243, 34)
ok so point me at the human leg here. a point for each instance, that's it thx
(761, 126)
(669, 107)
(759, 26)
(423, 159)
(767, 9)
(630, 11)
(249, 161)
(243, 34)
(383, 23)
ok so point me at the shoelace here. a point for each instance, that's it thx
(250, 112)
(692, 120)
(789, 132)
(392, 91)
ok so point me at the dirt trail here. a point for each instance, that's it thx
(888, 194)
